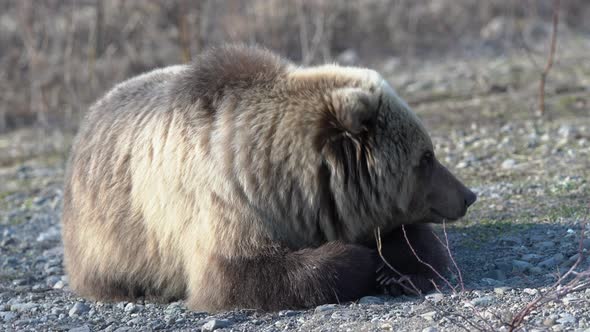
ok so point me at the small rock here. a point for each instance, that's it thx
(79, 309)
(51, 235)
(508, 164)
(131, 308)
(429, 316)
(8, 316)
(371, 300)
(573, 259)
(134, 321)
(570, 299)
(567, 131)
(510, 240)
(549, 321)
(435, 297)
(521, 266)
(566, 319)
(543, 245)
(501, 290)
(552, 261)
(288, 313)
(83, 328)
(530, 291)
(430, 329)
(59, 285)
(22, 307)
(482, 301)
(325, 308)
(52, 280)
(215, 324)
(531, 257)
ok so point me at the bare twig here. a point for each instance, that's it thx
(581, 281)
(438, 274)
(550, 57)
(399, 281)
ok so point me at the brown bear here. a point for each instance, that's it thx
(244, 181)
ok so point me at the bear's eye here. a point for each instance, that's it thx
(427, 159)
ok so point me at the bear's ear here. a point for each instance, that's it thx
(351, 114)
(354, 110)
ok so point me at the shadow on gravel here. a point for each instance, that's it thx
(524, 255)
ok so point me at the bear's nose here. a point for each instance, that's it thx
(470, 198)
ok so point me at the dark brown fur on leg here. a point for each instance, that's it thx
(398, 254)
(334, 272)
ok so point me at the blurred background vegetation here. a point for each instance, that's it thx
(58, 56)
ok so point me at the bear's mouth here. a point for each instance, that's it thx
(440, 218)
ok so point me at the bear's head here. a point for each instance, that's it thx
(380, 158)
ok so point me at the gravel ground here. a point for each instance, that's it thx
(532, 178)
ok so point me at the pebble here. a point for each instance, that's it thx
(132, 308)
(508, 164)
(553, 261)
(288, 313)
(51, 235)
(325, 308)
(501, 290)
(530, 291)
(430, 329)
(78, 309)
(482, 301)
(566, 319)
(8, 316)
(544, 245)
(435, 297)
(83, 328)
(429, 316)
(215, 324)
(135, 321)
(521, 266)
(59, 285)
(23, 307)
(371, 300)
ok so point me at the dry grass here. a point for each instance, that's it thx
(58, 56)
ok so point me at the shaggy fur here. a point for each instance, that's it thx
(244, 181)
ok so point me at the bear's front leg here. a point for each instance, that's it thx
(277, 279)
(411, 276)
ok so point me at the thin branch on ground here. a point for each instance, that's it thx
(558, 290)
(402, 277)
(550, 57)
(438, 274)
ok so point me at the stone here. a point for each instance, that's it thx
(508, 164)
(83, 328)
(59, 285)
(429, 316)
(430, 329)
(78, 309)
(288, 313)
(215, 324)
(553, 261)
(482, 301)
(325, 308)
(23, 307)
(521, 266)
(435, 297)
(132, 308)
(566, 319)
(501, 290)
(8, 316)
(371, 300)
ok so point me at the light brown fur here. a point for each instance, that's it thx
(180, 174)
